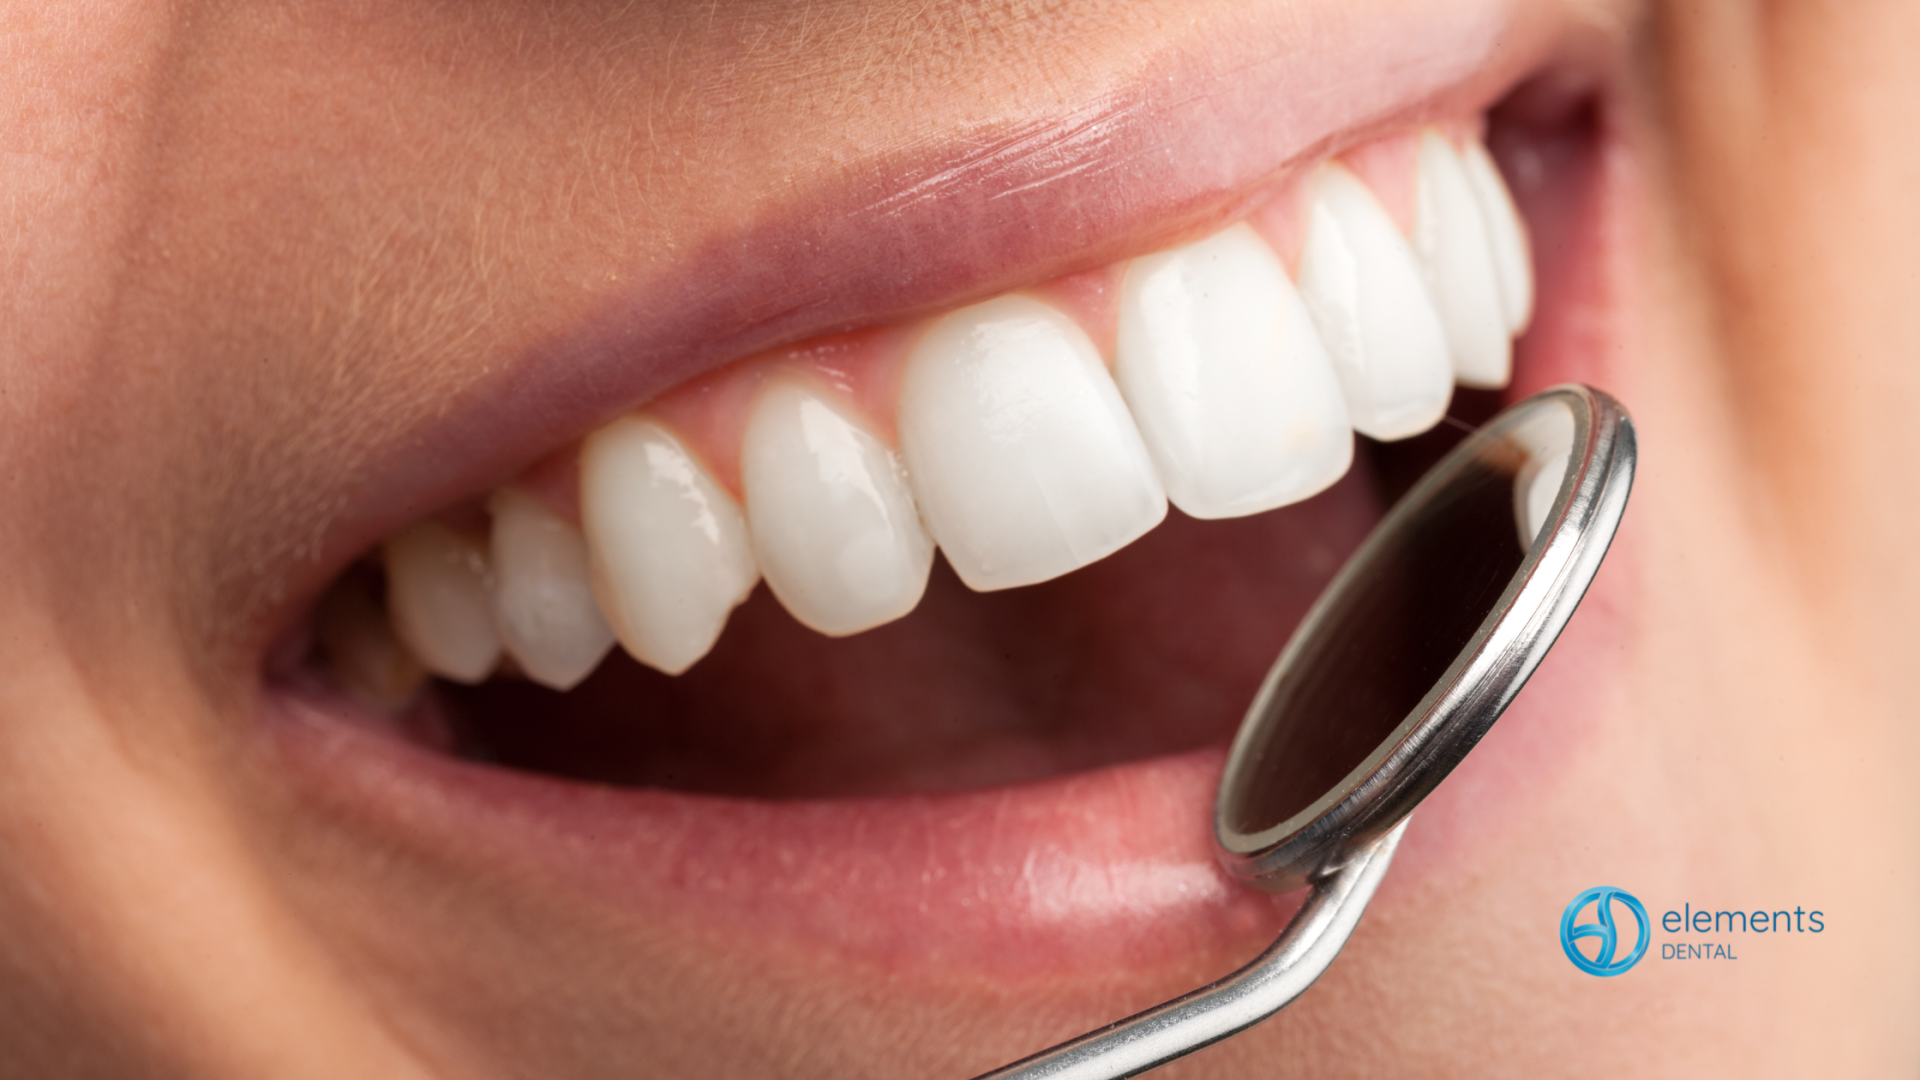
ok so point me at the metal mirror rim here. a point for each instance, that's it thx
(1493, 666)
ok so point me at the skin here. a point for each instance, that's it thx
(243, 287)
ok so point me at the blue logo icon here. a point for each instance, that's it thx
(1607, 960)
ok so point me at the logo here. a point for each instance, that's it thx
(1607, 959)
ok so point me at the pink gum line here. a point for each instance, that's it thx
(860, 369)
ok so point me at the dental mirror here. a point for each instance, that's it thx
(1408, 657)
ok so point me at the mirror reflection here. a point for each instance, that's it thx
(1410, 605)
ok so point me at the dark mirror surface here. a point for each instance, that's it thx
(1411, 607)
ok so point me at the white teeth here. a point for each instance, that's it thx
(1507, 231)
(833, 523)
(669, 547)
(1234, 393)
(1022, 454)
(1537, 500)
(440, 597)
(1451, 236)
(1368, 299)
(543, 592)
(1546, 439)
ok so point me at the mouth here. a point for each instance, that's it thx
(902, 616)
(580, 621)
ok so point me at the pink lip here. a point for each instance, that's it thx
(1081, 872)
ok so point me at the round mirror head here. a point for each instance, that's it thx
(1424, 637)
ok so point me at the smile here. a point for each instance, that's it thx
(891, 611)
(1026, 436)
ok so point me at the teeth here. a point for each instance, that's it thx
(1019, 454)
(1547, 441)
(1234, 393)
(1023, 456)
(440, 597)
(833, 523)
(1365, 290)
(1512, 256)
(543, 592)
(1454, 244)
(357, 638)
(669, 548)
(1537, 499)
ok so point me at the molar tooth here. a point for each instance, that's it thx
(668, 546)
(1455, 247)
(1023, 456)
(1233, 391)
(833, 523)
(543, 592)
(1507, 231)
(1362, 284)
(358, 640)
(440, 597)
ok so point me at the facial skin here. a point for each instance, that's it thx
(279, 279)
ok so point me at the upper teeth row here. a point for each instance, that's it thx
(1020, 452)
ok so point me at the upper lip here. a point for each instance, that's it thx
(1181, 145)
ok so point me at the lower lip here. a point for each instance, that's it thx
(1087, 869)
(1109, 869)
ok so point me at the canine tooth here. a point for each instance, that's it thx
(1234, 394)
(543, 592)
(440, 597)
(1022, 454)
(1455, 247)
(1362, 284)
(668, 547)
(1507, 230)
(834, 526)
